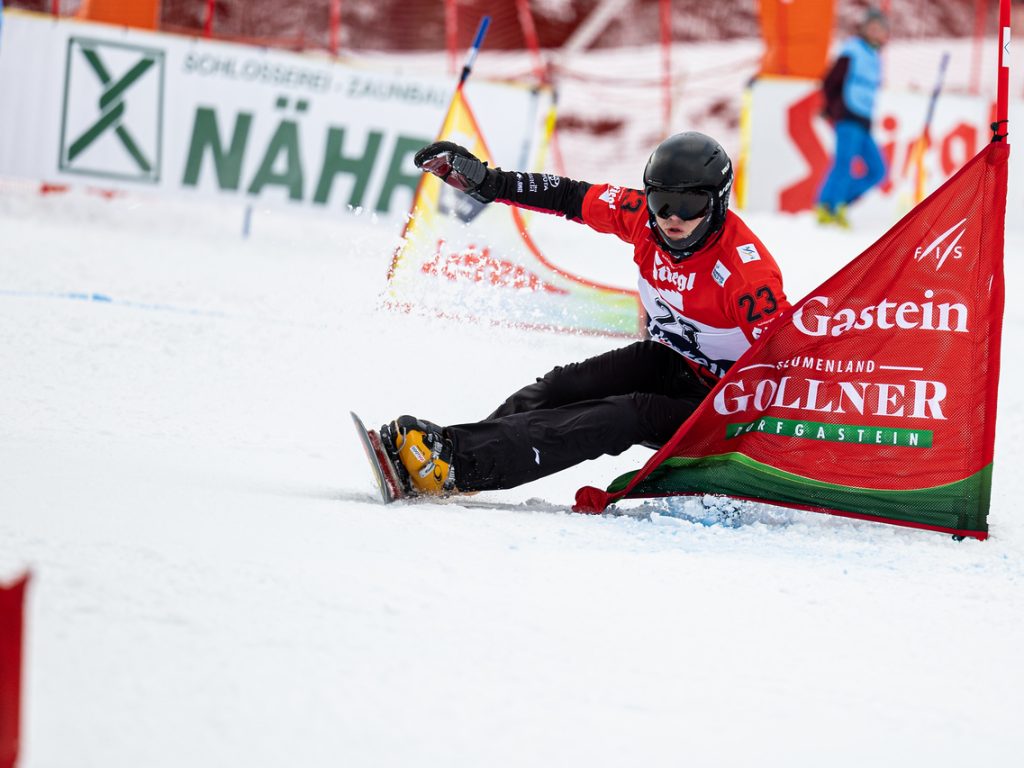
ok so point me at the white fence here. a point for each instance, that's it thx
(126, 109)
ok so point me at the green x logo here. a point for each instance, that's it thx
(112, 108)
(98, 89)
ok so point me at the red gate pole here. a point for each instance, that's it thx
(532, 40)
(980, 7)
(208, 21)
(665, 8)
(451, 30)
(1003, 80)
(12, 621)
(335, 24)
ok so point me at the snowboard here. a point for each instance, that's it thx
(383, 471)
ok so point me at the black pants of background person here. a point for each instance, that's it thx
(604, 405)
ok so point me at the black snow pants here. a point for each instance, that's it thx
(637, 394)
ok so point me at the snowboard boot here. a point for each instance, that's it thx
(421, 454)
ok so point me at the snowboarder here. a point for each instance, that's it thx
(850, 88)
(709, 287)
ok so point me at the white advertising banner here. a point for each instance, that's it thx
(789, 150)
(127, 109)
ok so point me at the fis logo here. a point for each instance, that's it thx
(944, 246)
(748, 253)
(113, 110)
(610, 195)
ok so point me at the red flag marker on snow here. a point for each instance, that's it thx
(12, 600)
(874, 397)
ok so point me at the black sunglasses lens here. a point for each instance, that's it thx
(689, 204)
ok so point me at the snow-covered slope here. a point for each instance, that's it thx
(215, 584)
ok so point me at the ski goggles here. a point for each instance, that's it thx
(687, 204)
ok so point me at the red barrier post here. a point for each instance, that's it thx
(208, 21)
(335, 22)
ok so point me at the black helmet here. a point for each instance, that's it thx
(689, 175)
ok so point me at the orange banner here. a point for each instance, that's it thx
(797, 35)
(142, 14)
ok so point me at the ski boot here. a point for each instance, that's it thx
(421, 455)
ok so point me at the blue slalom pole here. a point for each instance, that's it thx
(474, 49)
(247, 222)
(936, 92)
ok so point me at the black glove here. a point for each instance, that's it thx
(457, 167)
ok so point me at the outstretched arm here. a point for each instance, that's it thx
(457, 167)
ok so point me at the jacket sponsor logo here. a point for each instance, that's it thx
(811, 320)
(720, 273)
(112, 115)
(942, 247)
(676, 280)
(610, 195)
(748, 253)
(661, 273)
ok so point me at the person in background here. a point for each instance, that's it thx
(850, 89)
